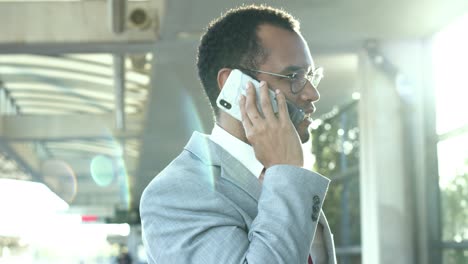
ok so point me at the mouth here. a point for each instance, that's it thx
(308, 117)
(301, 115)
(308, 113)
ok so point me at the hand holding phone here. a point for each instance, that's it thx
(273, 137)
(235, 85)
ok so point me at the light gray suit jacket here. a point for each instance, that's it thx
(206, 207)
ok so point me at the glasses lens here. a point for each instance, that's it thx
(317, 77)
(316, 80)
(301, 79)
(298, 84)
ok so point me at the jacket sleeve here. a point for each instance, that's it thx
(185, 220)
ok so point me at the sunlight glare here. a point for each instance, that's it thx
(450, 55)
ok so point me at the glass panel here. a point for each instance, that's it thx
(345, 223)
(449, 63)
(455, 256)
(453, 182)
(336, 148)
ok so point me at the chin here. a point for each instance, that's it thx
(304, 136)
(303, 131)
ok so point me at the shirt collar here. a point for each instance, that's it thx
(243, 152)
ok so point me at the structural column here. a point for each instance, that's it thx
(387, 179)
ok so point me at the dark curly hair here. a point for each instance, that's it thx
(231, 41)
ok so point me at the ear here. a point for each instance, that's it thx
(223, 74)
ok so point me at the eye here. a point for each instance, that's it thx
(298, 75)
(293, 76)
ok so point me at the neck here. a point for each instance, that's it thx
(232, 126)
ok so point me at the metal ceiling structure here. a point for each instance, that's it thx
(77, 88)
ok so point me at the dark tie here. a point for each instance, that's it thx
(310, 260)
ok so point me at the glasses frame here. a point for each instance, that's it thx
(309, 78)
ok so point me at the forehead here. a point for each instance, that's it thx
(285, 49)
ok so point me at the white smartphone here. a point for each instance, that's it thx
(235, 85)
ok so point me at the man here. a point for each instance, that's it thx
(240, 195)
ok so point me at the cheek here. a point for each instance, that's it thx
(292, 99)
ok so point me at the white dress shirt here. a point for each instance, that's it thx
(240, 150)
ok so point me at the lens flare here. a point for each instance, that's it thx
(111, 168)
(191, 115)
(102, 170)
(123, 179)
(60, 178)
(193, 121)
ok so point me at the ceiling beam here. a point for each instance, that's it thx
(50, 48)
(66, 127)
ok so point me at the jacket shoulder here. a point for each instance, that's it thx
(185, 173)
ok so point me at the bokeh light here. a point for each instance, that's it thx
(102, 170)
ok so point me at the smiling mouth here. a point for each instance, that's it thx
(308, 117)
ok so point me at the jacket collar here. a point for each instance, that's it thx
(232, 170)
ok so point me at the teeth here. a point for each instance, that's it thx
(308, 117)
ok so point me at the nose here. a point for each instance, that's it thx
(310, 93)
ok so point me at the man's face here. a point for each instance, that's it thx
(288, 53)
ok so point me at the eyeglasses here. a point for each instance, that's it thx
(299, 79)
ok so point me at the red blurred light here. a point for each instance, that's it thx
(89, 218)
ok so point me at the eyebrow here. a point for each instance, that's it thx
(295, 68)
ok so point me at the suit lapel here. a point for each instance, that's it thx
(328, 237)
(231, 169)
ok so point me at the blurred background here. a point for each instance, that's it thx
(96, 97)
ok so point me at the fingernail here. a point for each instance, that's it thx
(247, 86)
(262, 83)
(277, 91)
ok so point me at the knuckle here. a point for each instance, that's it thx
(265, 105)
(248, 105)
(261, 128)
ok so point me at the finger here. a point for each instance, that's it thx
(283, 113)
(251, 103)
(244, 117)
(265, 101)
